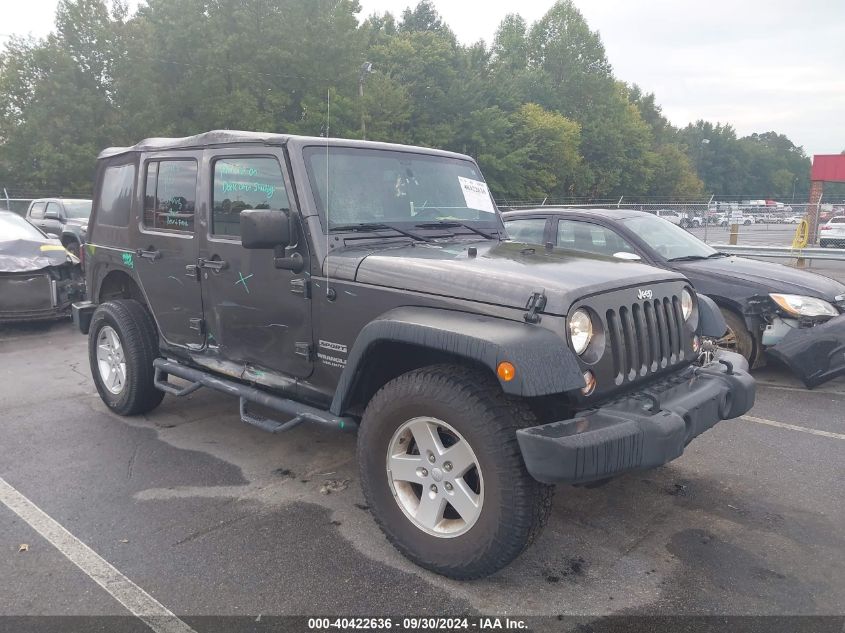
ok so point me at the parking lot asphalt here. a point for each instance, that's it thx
(213, 517)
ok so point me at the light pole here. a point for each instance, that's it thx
(366, 68)
(704, 141)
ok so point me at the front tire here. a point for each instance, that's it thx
(73, 247)
(443, 475)
(122, 345)
(738, 338)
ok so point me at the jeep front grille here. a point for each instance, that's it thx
(645, 337)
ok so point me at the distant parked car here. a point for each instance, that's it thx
(725, 220)
(793, 219)
(65, 218)
(694, 221)
(832, 233)
(39, 278)
(669, 215)
(794, 315)
(769, 218)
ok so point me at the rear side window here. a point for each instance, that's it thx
(170, 196)
(245, 183)
(837, 220)
(37, 210)
(116, 195)
(529, 230)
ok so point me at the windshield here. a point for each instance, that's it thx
(14, 227)
(364, 186)
(666, 238)
(77, 209)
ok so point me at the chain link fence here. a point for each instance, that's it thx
(18, 205)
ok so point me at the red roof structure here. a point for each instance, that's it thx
(828, 167)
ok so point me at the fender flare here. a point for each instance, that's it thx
(711, 322)
(544, 364)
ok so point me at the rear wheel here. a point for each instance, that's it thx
(122, 344)
(442, 471)
(738, 338)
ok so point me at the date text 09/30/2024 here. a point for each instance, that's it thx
(417, 624)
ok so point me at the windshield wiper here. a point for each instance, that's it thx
(448, 223)
(365, 227)
(686, 258)
(717, 254)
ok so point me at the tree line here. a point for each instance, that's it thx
(539, 107)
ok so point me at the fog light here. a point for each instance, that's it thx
(506, 371)
(696, 344)
(590, 387)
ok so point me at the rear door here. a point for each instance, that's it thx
(255, 313)
(167, 246)
(35, 215)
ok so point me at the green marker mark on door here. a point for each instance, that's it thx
(243, 279)
(128, 260)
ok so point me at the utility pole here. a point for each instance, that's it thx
(366, 68)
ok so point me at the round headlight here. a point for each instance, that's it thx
(686, 304)
(580, 330)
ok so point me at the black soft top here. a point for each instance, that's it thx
(230, 137)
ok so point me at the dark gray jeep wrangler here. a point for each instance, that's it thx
(371, 286)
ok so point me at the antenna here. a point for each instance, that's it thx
(328, 188)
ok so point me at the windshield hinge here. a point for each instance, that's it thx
(301, 286)
(536, 303)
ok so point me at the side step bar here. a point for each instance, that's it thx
(297, 411)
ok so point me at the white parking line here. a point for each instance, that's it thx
(793, 427)
(141, 604)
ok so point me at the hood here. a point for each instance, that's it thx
(763, 277)
(501, 273)
(26, 255)
(77, 223)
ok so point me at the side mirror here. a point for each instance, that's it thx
(631, 257)
(266, 229)
(51, 215)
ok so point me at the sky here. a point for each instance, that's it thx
(759, 65)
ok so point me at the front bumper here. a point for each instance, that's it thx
(36, 296)
(641, 430)
(814, 354)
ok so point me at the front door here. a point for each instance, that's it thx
(52, 222)
(255, 313)
(166, 257)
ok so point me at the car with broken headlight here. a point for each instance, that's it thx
(39, 278)
(794, 315)
(371, 286)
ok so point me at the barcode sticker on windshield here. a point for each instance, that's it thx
(476, 194)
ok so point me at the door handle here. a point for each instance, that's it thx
(152, 253)
(214, 264)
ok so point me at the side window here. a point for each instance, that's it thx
(170, 195)
(37, 211)
(244, 183)
(53, 211)
(590, 238)
(529, 230)
(116, 195)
